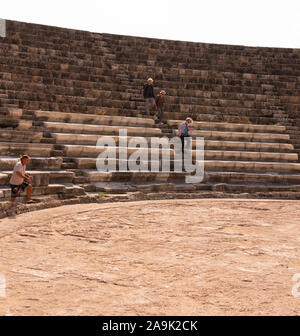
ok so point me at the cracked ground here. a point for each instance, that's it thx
(170, 257)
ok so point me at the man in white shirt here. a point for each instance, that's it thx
(20, 180)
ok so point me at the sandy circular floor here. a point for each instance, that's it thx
(173, 257)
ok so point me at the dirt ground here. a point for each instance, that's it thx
(172, 257)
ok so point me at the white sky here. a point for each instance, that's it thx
(270, 23)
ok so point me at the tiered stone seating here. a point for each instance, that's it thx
(243, 84)
(61, 89)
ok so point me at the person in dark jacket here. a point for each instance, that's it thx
(148, 95)
(160, 103)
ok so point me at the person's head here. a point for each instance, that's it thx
(162, 92)
(189, 121)
(25, 159)
(150, 81)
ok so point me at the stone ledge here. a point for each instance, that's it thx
(141, 196)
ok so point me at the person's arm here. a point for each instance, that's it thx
(143, 92)
(179, 130)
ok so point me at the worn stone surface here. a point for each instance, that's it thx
(2, 28)
(179, 257)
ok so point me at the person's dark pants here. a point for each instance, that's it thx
(182, 141)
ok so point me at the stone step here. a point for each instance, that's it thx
(53, 163)
(20, 125)
(94, 151)
(80, 179)
(20, 136)
(99, 129)
(233, 127)
(92, 119)
(240, 136)
(218, 116)
(32, 149)
(14, 113)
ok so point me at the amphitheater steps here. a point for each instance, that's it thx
(235, 94)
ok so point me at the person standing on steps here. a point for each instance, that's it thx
(20, 180)
(148, 96)
(183, 131)
(160, 103)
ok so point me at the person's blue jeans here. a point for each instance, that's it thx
(160, 113)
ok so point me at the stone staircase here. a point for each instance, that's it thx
(61, 89)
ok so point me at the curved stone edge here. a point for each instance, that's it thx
(140, 196)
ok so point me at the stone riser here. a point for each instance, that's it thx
(231, 118)
(231, 188)
(240, 136)
(89, 139)
(212, 165)
(134, 176)
(250, 178)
